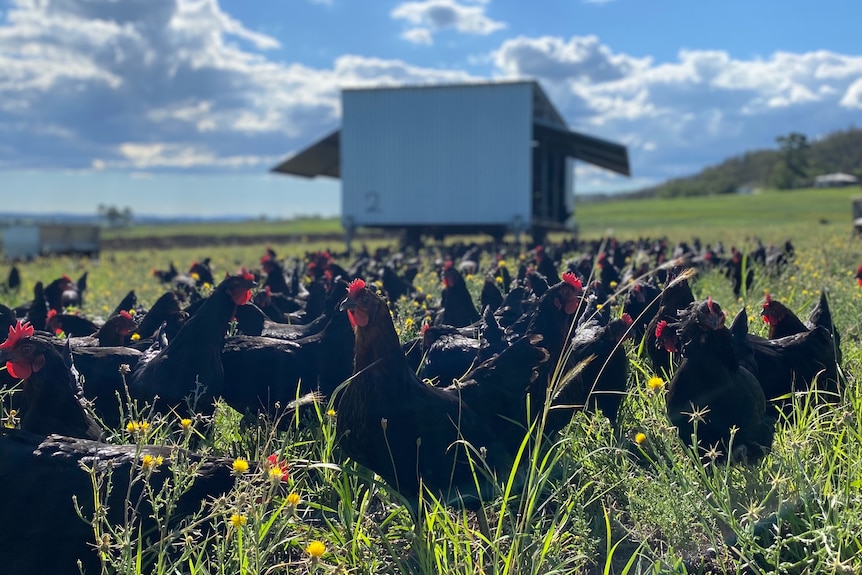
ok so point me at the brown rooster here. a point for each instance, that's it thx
(417, 436)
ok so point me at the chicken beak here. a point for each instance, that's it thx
(346, 304)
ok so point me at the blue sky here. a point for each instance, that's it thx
(181, 106)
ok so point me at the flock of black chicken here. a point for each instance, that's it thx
(447, 412)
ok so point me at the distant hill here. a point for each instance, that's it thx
(838, 152)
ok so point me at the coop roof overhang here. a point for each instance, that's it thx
(602, 153)
(322, 158)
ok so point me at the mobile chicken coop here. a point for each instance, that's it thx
(467, 158)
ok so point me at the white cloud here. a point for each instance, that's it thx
(431, 16)
(171, 155)
(853, 97)
(418, 36)
(163, 84)
(698, 109)
(155, 85)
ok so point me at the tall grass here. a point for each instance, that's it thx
(586, 500)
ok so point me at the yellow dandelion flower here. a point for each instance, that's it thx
(640, 437)
(316, 549)
(330, 412)
(613, 285)
(499, 280)
(150, 462)
(655, 383)
(131, 427)
(185, 424)
(132, 312)
(276, 473)
(238, 520)
(240, 465)
(293, 499)
(136, 336)
(207, 285)
(408, 323)
(195, 276)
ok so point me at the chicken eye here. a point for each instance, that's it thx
(27, 349)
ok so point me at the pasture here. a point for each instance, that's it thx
(591, 502)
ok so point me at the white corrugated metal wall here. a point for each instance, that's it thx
(437, 155)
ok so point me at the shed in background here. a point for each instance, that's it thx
(27, 241)
(477, 158)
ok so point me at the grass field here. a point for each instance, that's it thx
(769, 213)
(302, 226)
(588, 506)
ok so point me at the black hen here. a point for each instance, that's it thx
(457, 303)
(710, 387)
(791, 363)
(263, 372)
(409, 432)
(48, 402)
(601, 383)
(194, 355)
(447, 354)
(37, 313)
(43, 479)
(675, 297)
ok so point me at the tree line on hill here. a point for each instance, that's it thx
(793, 165)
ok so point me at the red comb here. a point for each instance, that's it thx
(709, 304)
(17, 332)
(265, 258)
(660, 327)
(424, 328)
(768, 300)
(447, 264)
(627, 319)
(354, 287)
(51, 313)
(125, 314)
(572, 280)
(247, 275)
(67, 278)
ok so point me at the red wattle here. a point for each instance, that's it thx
(351, 318)
(241, 298)
(21, 371)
